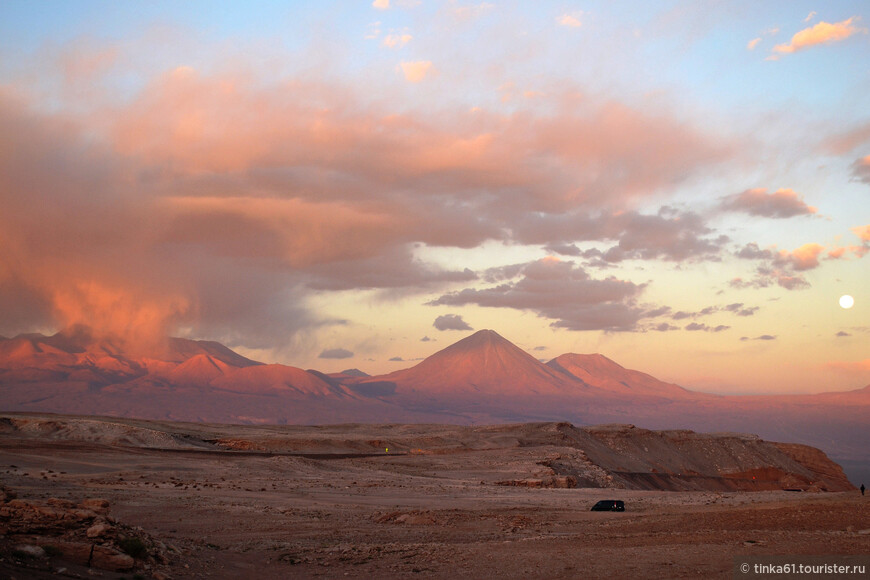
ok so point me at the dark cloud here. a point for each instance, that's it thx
(656, 312)
(451, 322)
(696, 326)
(664, 327)
(861, 169)
(396, 359)
(783, 203)
(751, 251)
(735, 308)
(564, 249)
(779, 267)
(669, 234)
(738, 309)
(563, 292)
(842, 333)
(336, 353)
(762, 337)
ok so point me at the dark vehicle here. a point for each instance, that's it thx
(609, 505)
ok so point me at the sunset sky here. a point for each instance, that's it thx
(683, 187)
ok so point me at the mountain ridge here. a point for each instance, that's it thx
(482, 378)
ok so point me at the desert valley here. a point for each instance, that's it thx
(479, 461)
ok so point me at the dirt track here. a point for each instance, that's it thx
(437, 516)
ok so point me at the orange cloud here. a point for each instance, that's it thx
(397, 40)
(571, 20)
(821, 33)
(753, 43)
(140, 319)
(861, 169)
(805, 257)
(416, 71)
(862, 232)
(381, 4)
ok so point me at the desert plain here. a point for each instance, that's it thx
(382, 501)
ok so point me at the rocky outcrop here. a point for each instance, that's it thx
(40, 534)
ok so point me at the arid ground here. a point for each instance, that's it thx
(206, 513)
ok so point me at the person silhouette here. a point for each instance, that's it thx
(862, 489)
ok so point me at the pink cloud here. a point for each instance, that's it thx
(217, 204)
(821, 33)
(848, 140)
(416, 71)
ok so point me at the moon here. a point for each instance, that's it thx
(846, 301)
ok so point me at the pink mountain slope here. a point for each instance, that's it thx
(278, 379)
(481, 364)
(200, 369)
(605, 375)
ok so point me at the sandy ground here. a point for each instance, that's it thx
(234, 515)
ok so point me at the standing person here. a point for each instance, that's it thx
(862, 489)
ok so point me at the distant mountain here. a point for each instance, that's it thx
(73, 372)
(481, 379)
(600, 372)
(485, 364)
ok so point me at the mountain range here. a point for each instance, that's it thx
(481, 379)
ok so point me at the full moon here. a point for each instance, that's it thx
(846, 301)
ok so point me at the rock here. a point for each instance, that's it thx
(75, 552)
(86, 554)
(110, 559)
(97, 505)
(83, 514)
(32, 551)
(98, 530)
(6, 494)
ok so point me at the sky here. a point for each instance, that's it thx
(683, 187)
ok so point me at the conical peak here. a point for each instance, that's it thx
(482, 337)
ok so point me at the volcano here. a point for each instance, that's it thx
(483, 364)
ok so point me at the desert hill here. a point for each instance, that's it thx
(604, 456)
(481, 379)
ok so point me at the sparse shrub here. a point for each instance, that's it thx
(134, 547)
